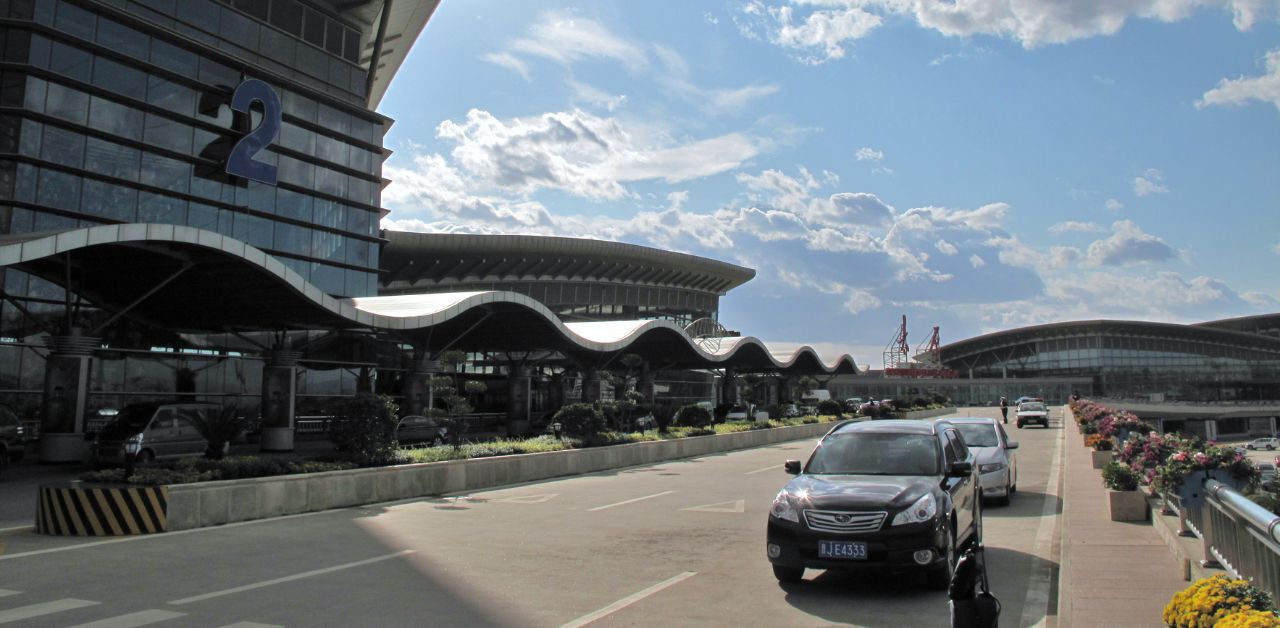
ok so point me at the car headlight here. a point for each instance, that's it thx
(923, 510)
(991, 467)
(783, 509)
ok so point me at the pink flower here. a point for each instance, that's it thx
(1180, 456)
(1201, 458)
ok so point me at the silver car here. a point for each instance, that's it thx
(152, 431)
(994, 458)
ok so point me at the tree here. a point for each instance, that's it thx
(364, 427)
(217, 429)
(631, 363)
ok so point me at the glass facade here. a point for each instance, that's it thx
(118, 111)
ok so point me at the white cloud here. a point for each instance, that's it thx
(733, 99)
(566, 39)
(711, 19)
(869, 154)
(946, 248)
(511, 62)
(1276, 249)
(1151, 182)
(819, 37)
(976, 261)
(596, 97)
(1128, 244)
(1072, 226)
(1265, 88)
(1113, 205)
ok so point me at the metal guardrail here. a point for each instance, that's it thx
(1238, 536)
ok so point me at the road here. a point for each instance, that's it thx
(679, 543)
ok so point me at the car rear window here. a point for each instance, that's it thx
(978, 434)
(875, 453)
(1032, 406)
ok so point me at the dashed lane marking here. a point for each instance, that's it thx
(732, 506)
(298, 576)
(133, 620)
(630, 501)
(628, 601)
(44, 608)
(7, 592)
(769, 468)
(529, 499)
(249, 624)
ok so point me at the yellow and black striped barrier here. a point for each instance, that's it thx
(89, 510)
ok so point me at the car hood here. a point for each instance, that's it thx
(987, 455)
(845, 492)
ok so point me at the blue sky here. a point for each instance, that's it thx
(977, 165)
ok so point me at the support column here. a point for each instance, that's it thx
(365, 380)
(66, 392)
(729, 387)
(648, 379)
(519, 386)
(592, 387)
(417, 390)
(279, 390)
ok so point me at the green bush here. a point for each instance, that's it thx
(664, 414)
(1118, 476)
(189, 470)
(693, 415)
(580, 419)
(364, 428)
(830, 407)
(775, 410)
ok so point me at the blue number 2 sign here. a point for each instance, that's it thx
(241, 162)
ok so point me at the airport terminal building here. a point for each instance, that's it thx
(190, 197)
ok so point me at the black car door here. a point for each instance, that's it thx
(961, 488)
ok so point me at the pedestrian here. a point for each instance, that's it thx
(1004, 409)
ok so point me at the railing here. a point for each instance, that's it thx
(1238, 535)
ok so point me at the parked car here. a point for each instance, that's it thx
(12, 436)
(993, 451)
(853, 403)
(791, 410)
(739, 412)
(1032, 412)
(157, 430)
(896, 496)
(1269, 444)
(416, 428)
(1266, 472)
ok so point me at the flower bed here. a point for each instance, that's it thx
(1220, 601)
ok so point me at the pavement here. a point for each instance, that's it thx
(1113, 573)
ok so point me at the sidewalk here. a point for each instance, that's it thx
(1113, 573)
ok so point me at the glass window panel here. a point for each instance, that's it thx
(332, 150)
(59, 190)
(171, 57)
(328, 278)
(119, 78)
(53, 222)
(329, 246)
(115, 118)
(167, 133)
(29, 142)
(351, 45)
(38, 54)
(214, 73)
(281, 47)
(203, 216)
(254, 230)
(313, 27)
(357, 252)
(297, 172)
(328, 214)
(76, 21)
(24, 183)
(161, 209)
(287, 16)
(361, 222)
(361, 160)
(299, 106)
(103, 199)
(297, 138)
(291, 204)
(302, 267)
(169, 95)
(62, 146)
(293, 239)
(334, 120)
(121, 38)
(66, 103)
(166, 173)
(330, 182)
(333, 38)
(313, 61)
(34, 96)
(70, 61)
(208, 185)
(238, 29)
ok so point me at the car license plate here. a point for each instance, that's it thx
(842, 549)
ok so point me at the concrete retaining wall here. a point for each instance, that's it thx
(215, 503)
(927, 414)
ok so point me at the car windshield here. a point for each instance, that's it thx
(978, 434)
(136, 415)
(875, 453)
(1032, 406)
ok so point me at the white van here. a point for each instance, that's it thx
(160, 430)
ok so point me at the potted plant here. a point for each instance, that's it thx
(1104, 449)
(1212, 601)
(1187, 470)
(1126, 501)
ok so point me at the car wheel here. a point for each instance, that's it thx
(975, 541)
(1008, 491)
(939, 578)
(1019, 424)
(788, 574)
(146, 456)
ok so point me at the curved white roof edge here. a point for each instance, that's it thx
(396, 312)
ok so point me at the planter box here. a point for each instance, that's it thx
(1128, 505)
(1101, 458)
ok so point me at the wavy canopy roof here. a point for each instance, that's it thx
(197, 281)
(1024, 335)
(431, 261)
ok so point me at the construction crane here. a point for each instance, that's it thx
(928, 352)
(928, 360)
(897, 354)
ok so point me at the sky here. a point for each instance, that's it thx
(977, 165)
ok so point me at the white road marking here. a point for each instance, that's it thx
(769, 468)
(529, 499)
(16, 528)
(298, 576)
(631, 501)
(8, 592)
(249, 624)
(628, 601)
(1035, 607)
(738, 506)
(41, 609)
(133, 620)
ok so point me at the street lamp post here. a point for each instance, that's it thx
(556, 429)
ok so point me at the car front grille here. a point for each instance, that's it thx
(844, 522)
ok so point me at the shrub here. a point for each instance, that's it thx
(721, 411)
(1119, 477)
(871, 410)
(693, 415)
(664, 415)
(189, 470)
(830, 407)
(920, 402)
(1088, 428)
(1250, 619)
(1210, 600)
(1099, 442)
(580, 419)
(364, 428)
(775, 411)
(217, 429)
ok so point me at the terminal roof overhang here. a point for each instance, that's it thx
(1023, 335)
(404, 22)
(190, 280)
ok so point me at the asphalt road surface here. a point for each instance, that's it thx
(674, 544)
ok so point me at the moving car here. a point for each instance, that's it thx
(416, 428)
(993, 451)
(1269, 444)
(1032, 412)
(738, 412)
(12, 436)
(1266, 472)
(896, 496)
(155, 430)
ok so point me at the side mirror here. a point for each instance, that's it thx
(960, 468)
(1013, 444)
(792, 467)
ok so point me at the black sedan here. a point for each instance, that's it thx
(898, 496)
(416, 428)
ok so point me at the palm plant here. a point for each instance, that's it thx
(217, 429)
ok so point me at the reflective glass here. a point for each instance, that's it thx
(24, 183)
(59, 190)
(292, 239)
(165, 173)
(70, 61)
(115, 118)
(169, 95)
(75, 21)
(103, 199)
(174, 58)
(203, 216)
(166, 133)
(109, 158)
(66, 103)
(29, 141)
(291, 204)
(123, 39)
(119, 78)
(62, 146)
(160, 208)
(253, 230)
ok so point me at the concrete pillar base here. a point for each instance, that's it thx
(277, 439)
(55, 448)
